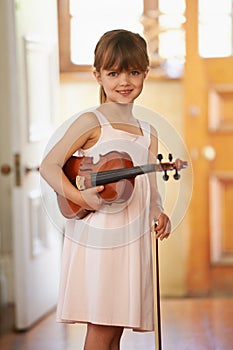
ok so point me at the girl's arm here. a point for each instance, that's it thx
(157, 215)
(83, 133)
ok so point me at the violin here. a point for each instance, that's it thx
(114, 170)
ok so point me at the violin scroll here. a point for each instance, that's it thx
(177, 165)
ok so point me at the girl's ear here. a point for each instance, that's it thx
(146, 73)
(97, 75)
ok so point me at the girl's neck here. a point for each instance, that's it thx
(120, 112)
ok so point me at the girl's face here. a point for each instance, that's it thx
(121, 87)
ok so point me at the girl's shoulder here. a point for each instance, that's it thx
(87, 118)
(83, 128)
(85, 122)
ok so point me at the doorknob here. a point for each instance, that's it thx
(5, 169)
(209, 152)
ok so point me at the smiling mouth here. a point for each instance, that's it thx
(124, 92)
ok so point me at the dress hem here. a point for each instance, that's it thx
(116, 324)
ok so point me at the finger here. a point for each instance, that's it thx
(159, 234)
(166, 235)
(164, 225)
(99, 188)
(162, 236)
(161, 226)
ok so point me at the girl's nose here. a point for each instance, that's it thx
(124, 78)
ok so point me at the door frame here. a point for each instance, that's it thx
(204, 277)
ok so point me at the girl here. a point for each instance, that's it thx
(106, 278)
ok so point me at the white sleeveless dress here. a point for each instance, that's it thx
(106, 275)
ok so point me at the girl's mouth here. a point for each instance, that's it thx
(124, 92)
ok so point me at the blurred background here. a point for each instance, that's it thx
(46, 53)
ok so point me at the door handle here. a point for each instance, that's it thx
(5, 169)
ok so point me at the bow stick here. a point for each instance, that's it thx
(157, 310)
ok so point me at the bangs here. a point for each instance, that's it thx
(125, 57)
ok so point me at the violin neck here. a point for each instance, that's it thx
(105, 177)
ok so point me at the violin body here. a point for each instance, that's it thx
(115, 171)
(83, 167)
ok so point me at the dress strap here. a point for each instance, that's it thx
(145, 127)
(101, 118)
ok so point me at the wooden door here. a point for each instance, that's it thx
(33, 77)
(209, 136)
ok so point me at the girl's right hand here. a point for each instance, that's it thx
(90, 198)
(163, 227)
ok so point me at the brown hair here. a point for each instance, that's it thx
(121, 50)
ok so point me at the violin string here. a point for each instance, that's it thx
(142, 169)
(117, 174)
(113, 175)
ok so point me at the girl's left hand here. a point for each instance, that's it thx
(163, 227)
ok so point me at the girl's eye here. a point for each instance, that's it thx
(112, 74)
(135, 72)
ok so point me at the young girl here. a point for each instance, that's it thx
(106, 278)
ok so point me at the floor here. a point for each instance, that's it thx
(187, 324)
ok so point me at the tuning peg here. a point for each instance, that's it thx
(176, 176)
(160, 157)
(165, 176)
(170, 157)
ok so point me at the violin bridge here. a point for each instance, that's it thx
(80, 183)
